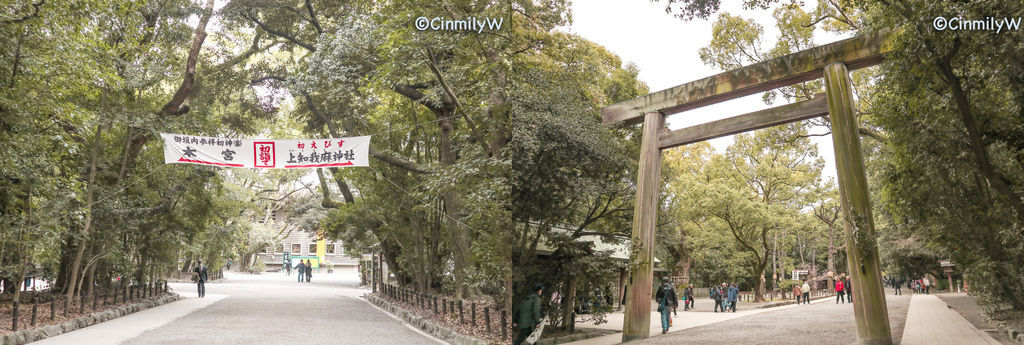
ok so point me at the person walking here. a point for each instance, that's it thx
(529, 313)
(201, 278)
(716, 294)
(309, 271)
(301, 268)
(806, 289)
(725, 296)
(839, 291)
(797, 293)
(688, 297)
(734, 294)
(849, 290)
(926, 285)
(667, 300)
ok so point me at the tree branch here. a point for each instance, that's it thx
(312, 18)
(174, 107)
(253, 49)
(281, 34)
(34, 14)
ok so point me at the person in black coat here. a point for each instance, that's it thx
(667, 300)
(301, 268)
(200, 271)
(309, 271)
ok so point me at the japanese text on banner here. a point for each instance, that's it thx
(266, 153)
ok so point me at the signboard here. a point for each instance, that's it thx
(314, 261)
(266, 153)
(798, 273)
(946, 263)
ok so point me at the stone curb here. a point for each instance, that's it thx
(1014, 334)
(26, 336)
(425, 324)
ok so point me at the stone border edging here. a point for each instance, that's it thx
(425, 324)
(26, 336)
(1013, 334)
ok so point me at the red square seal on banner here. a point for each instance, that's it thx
(265, 154)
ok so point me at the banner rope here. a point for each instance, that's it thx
(108, 196)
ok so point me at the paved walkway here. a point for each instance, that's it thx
(258, 309)
(915, 319)
(930, 321)
(123, 328)
(684, 320)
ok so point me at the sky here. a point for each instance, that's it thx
(665, 48)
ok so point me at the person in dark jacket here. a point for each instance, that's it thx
(309, 271)
(301, 268)
(733, 295)
(849, 290)
(716, 294)
(200, 271)
(667, 300)
(688, 295)
(529, 313)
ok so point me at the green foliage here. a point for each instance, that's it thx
(951, 101)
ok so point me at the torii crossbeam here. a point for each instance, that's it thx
(831, 62)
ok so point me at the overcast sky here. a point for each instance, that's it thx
(665, 49)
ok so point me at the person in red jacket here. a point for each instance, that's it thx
(839, 291)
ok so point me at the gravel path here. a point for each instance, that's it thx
(273, 309)
(819, 323)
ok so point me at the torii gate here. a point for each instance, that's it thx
(831, 61)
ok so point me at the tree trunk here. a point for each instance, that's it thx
(758, 283)
(458, 235)
(77, 262)
(831, 256)
(568, 302)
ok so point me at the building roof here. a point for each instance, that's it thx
(618, 246)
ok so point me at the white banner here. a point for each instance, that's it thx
(266, 153)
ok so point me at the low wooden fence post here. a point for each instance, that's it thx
(53, 308)
(462, 320)
(472, 308)
(66, 307)
(95, 294)
(504, 325)
(35, 309)
(14, 317)
(487, 318)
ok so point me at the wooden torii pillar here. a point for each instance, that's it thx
(831, 62)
